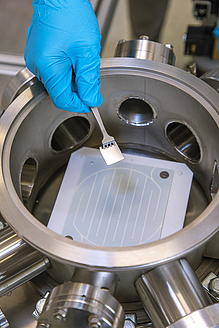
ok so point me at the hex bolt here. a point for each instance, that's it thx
(214, 286)
(129, 324)
(121, 41)
(94, 321)
(143, 37)
(130, 320)
(169, 46)
(60, 314)
(43, 325)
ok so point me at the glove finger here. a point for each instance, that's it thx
(58, 78)
(87, 75)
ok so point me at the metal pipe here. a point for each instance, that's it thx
(171, 292)
(100, 279)
(19, 262)
(11, 64)
(104, 12)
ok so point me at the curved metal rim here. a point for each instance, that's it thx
(208, 316)
(64, 250)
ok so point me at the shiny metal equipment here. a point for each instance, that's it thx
(85, 301)
(19, 262)
(174, 297)
(154, 110)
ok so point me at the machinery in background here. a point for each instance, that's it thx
(201, 41)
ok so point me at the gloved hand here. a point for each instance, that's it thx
(63, 51)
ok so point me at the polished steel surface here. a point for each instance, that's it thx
(203, 318)
(143, 48)
(170, 292)
(11, 64)
(78, 304)
(212, 78)
(109, 149)
(19, 262)
(100, 279)
(22, 80)
(104, 11)
(18, 306)
(212, 248)
(32, 127)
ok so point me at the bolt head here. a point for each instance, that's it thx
(169, 46)
(43, 325)
(143, 37)
(94, 321)
(214, 286)
(129, 324)
(121, 41)
(60, 314)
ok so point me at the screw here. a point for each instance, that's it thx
(43, 325)
(130, 320)
(60, 314)
(129, 324)
(39, 306)
(121, 41)
(94, 321)
(143, 37)
(169, 46)
(214, 286)
(164, 174)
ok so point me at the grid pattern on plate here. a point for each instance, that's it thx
(123, 205)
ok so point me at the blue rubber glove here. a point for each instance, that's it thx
(216, 35)
(63, 51)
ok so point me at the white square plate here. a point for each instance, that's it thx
(132, 202)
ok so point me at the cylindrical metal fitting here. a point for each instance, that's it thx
(77, 304)
(170, 292)
(16, 86)
(101, 279)
(143, 48)
(19, 262)
(212, 78)
(207, 317)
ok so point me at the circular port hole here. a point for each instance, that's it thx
(70, 133)
(184, 140)
(136, 111)
(28, 176)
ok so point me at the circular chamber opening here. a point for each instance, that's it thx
(28, 176)
(136, 111)
(184, 140)
(70, 133)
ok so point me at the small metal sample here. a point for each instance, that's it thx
(109, 150)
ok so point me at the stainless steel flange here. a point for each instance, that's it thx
(178, 120)
(77, 304)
